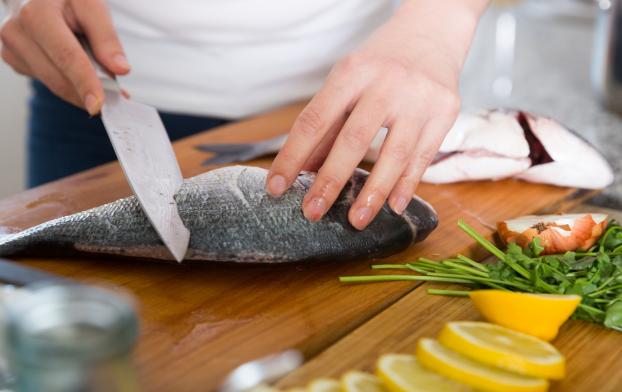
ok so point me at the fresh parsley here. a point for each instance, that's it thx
(595, 274)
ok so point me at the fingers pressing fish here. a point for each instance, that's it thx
(489, 145)
(232, 219)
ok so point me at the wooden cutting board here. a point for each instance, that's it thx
(200, 320)
(591, 351)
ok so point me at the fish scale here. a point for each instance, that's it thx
(232, 219)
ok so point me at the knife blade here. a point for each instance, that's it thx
(146, 155)
(20, 275)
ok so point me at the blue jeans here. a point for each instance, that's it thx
(63, 139)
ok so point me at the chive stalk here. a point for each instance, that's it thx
(452, 293)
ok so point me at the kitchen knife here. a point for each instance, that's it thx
(20, 275)
(146, 155)
(262, 370)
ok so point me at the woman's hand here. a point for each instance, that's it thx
(405, 77)
(38, 40)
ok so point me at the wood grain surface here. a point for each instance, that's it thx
(200, 320)
(593, 353)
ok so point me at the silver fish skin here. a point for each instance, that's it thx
(232, 219)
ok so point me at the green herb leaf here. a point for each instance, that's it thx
(595, 275)
(613, 316)
(535, 247)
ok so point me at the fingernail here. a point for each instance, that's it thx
(399, 204)
(277, 185)
(362, 217)
(121, 61)
(315, 209)
(91, 103)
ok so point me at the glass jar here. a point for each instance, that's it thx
(70, 338)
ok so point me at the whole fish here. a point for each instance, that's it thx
(232, 219)
(488, 145)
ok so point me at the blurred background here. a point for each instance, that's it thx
(13, 95)
(540, 56)
(534, 55)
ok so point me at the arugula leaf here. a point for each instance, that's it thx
(613, 316)
(612, 237)
(535, 247)
(581, 287)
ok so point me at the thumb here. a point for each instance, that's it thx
(96, 23)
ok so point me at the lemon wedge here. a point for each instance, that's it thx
(446, 362)
(504, 348)
(354, 381)
(324, 385)
(539, 315)
(403, 373)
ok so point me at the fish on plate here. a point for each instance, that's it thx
(232, 219)
(557, 233)
(489, 145)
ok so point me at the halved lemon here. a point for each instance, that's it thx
(324, 385)
(355, 381)
(504, 348)
(403, 373)
(539, 315)
(446, 362)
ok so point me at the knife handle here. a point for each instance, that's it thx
(109, 81)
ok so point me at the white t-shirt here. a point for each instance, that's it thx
(233, 58)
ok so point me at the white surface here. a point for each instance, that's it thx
(234, 58)
(13, 96)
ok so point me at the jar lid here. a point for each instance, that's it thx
(56, 324)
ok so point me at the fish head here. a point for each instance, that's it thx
(561, 156)
(419, 215)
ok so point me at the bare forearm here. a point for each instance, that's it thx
(446, 25)
(405, 77)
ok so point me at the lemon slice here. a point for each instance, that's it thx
(504, 348)
(539, 315)
(439, 358)
(354, 381)
(403, 373)
(324, 385)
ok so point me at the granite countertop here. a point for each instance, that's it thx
(551, 76)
